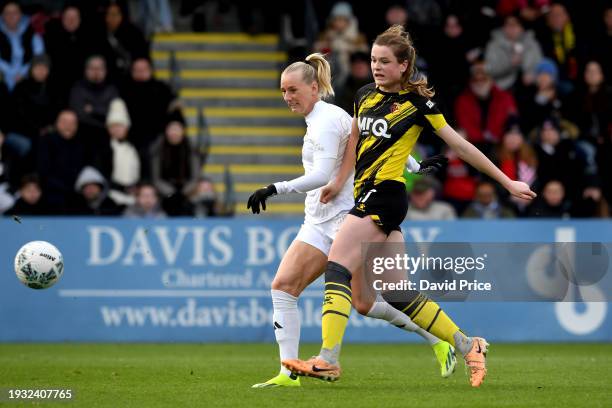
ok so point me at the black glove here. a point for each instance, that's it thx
(433, 164)
(259, 198)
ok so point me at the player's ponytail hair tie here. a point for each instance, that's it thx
(320, 73)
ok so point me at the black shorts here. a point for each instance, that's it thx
(386, 203)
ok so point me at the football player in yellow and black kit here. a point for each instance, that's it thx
(389, 117)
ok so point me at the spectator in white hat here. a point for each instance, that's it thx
(125, 172)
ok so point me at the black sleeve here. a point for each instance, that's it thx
(428, 113)
(359, 96)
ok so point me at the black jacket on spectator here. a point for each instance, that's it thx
(594, 117)
(59, 164)
(99, 205)
(174, 171)
(449, 83)
(5, 103)
(174, 168)
(604, 164)
(533, 112)
(34, 107)
(93, 10)
(541, 209)
(346, 99)
(562, 165)
(122, 47)
(11, 166)
(604, 55)
(105, 207)
(68, 51)
(23, 208)
(568, 67)
(147, 104)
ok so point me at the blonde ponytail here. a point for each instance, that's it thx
(316, 68)
(320, 64)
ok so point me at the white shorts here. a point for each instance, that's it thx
(321, 236)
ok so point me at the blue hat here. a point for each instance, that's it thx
(549, 67)
(342, 9)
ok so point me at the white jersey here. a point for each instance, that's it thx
(327, 131)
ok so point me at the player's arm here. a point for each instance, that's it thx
(324, 162)
(323, 168)
(346, 168)
(326, 139)
(469, 153)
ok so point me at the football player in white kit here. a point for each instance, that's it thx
(304, 85)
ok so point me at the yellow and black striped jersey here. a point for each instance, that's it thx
(389, 126)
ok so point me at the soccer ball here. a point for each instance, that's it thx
(39, 265)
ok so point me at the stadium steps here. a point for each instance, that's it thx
(249, 177)
(248, 125)
(254, 154)
(229, 83)
(232, 97)
(241, 78)
(215, 42)
(194, 60)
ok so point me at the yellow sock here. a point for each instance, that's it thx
(425, 313)
(336, 309)
(430, 317)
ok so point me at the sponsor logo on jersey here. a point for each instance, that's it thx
(378, 127)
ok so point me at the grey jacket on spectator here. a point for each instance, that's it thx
(437, 210)
(166, 187)
(498, 57)
(135, 211)
(492, 211)
(91, 101)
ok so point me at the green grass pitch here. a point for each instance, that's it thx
(192, 375)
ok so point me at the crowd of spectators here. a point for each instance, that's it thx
(526, 81)
(86, 129)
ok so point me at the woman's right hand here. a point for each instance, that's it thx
(521, 190)
(328, 192)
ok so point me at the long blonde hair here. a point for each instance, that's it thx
(316, 68)
(400, 43)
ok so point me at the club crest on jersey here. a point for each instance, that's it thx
(378, 127)
(395, 107)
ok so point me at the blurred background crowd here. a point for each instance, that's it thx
(87, 129)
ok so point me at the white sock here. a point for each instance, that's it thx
(383, 310)
(286, 321)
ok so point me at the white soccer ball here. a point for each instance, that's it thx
(39, 265)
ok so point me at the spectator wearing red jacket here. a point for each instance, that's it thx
(460, 180)
(483, 109)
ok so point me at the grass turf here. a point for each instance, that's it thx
(164, 375)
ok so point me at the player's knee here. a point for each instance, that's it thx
(287, 286)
